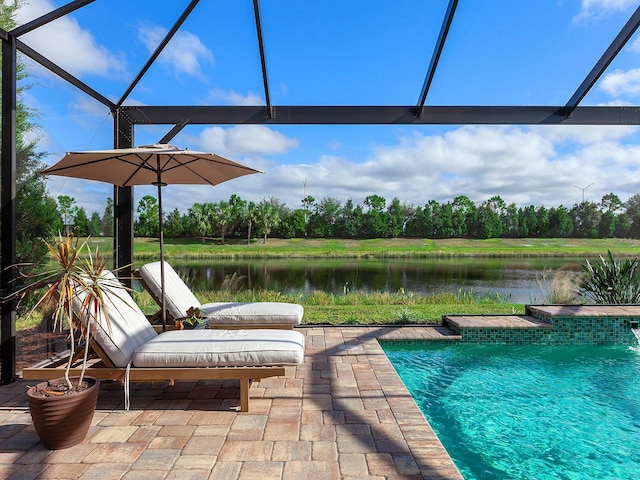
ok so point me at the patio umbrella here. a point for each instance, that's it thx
(159, 164)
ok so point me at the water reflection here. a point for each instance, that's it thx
(517, 280)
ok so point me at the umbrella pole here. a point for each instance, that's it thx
(160, 227)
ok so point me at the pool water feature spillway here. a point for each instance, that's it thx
(551, 325)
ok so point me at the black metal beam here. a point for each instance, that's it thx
(381, 115)
(614, 48)
(8, 210)
(158, 50)
(263, 59)
(435, 58)
(174, 131)
(79, 84)
(123, 206)
(49, 17)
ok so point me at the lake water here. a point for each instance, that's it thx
(517, 280)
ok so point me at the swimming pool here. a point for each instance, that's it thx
(528, 412)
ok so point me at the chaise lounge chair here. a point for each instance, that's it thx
(129, 349)
(179, 298)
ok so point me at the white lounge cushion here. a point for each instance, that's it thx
(127, 328)
(252, 313)
(179, 299)
(230, 348)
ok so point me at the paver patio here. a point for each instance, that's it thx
(343, 414)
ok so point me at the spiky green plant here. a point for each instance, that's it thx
(611, 281)
(75, 285)
(404, 315)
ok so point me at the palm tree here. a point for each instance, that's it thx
(249, 216)
(223, 215)
(200, 213)
(268, 217)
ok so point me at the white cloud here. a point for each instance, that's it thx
(234, 98)
(521, 165)
(597, 9)
(244, 140)
(583, 134)
(184, 53)
(635, 45)
(67, 44)
(621, 83)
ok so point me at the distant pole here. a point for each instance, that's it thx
(306, 205)
(583, 190)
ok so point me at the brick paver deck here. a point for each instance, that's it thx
(343, 414)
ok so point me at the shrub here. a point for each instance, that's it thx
(559, 287)
(611, 281)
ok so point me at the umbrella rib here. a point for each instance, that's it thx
(101, 160)
(181, 164)
(75, 165)
(185, 164)
(139, 166)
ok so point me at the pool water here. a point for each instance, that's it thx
(529, 412)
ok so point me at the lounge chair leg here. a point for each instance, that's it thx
(245, 383)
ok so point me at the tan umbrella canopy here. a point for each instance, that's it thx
(159, 164)
(149, 165)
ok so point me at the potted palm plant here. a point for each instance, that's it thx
(62, 409)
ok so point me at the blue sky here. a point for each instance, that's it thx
(359, 52)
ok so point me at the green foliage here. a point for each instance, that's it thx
(268, 216)
(81, 223)
(174, 224)
(68, 208)
(148, 217)
(106, 223)
(94, 225)
(404, 315)
(329, 218)
(560, 223)
(611, 281)
(586, 218)
(36, 218)
(222, 218)
(490, 218)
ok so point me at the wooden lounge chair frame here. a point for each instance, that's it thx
(101, 367)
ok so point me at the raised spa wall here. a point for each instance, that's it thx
(551, 325)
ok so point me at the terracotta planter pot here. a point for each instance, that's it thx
(63, 421)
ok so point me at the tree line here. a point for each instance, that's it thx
(375, 218)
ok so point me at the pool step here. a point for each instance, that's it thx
(502, 322)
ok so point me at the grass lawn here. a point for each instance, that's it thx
(148, 248)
